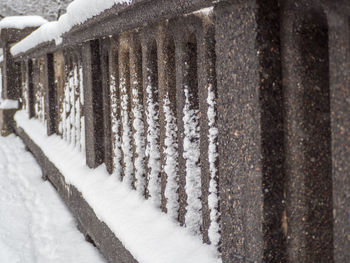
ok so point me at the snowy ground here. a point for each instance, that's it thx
(35, 225)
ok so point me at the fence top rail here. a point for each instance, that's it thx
(120, 16)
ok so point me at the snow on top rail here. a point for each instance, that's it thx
(77, 13)
(20, 22)
(150, 235)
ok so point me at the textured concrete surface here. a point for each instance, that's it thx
(282, 74)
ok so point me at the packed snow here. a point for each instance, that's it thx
(77, 13)
(20, 22)
(8, 104)
(50, 9)
(150, 235)
(35, 225)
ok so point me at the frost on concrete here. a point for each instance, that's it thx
(191, 155)
(138, 138)
(153, 147)
(171, 160)
(126, 134)
(213, 198)
(117, 155)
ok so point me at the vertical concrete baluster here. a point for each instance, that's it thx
(151, 115)
(208, 130)
(250, 128)
(30, 88)
(124, 89)
(50, 95)
(308, 135)
(115, 106)
(93, 102)
(339, 43)
(105, 67)
(137, 113)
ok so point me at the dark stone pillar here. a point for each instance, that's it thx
(250, 131)
(93, 104)
(115, 105)
(124, 95)
(50, 100)
(307, 133)
(105, 56)
(150, 99)
(180, 58)
(31, 95)
(12, 75)
(339, 44)
(166, 91)
(136, 100)
(206, 81)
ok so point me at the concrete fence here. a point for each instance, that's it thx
(233, 117)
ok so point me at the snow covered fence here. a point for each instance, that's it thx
(139, 96)
(185, 106)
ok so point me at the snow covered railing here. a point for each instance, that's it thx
(153, 128)
(219, 115)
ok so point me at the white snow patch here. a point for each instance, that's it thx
(205, 11)
(143, 229)
(21, 22)
(35, 225)
(8, 104)
(77, 13)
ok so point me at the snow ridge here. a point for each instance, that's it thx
(77, 13)
(171, 160)
(21, 22)
(153, 147)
